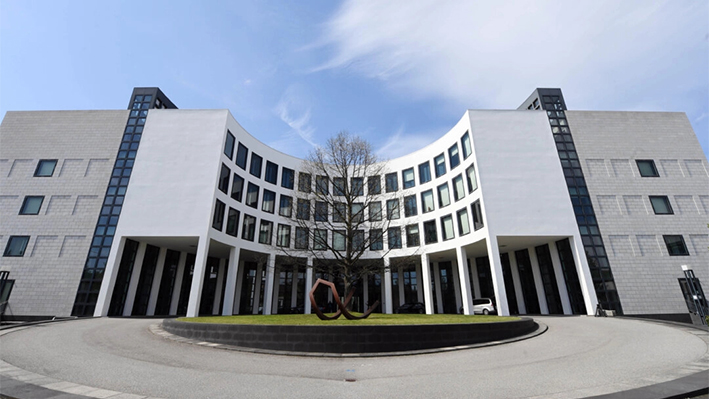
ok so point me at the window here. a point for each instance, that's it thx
(477, 215)
(320, 211)
(424, 172)
(427, 201)
(467, 148)
(16, 246)
(304, 182)
(229, 145)
(31, 205)
(303, 210)
(265, 232)
(283, 236)
(45, 168)
(375, 211)
(447, 227)
(393, 209)
(338, 240)
(357, 212)
(285, 207)
(676, 245)
(287, 178)
(444, 198)
(241, 154)
(661, 205)
(269, 201)
(472, 181)
(218, 219)
(232, 222)
(271, 172)
(408, 177)
(440, 162)
(412, 235)
(224, 179)
(338, 186)
(249, 228)
(458, 189)
(301, 238)
(358, 240)
(340, 213)
(463, 222)
(376, 241)
(429, 232)
(252, 195)
(320, 240)
(394, 237)
(647, 168)
(453, 156)
(256, 162)
(391, 182)
(237, 187)
(374, 185)
(321, 185)
(357, 184)
(410, 206)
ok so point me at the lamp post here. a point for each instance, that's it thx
(695, 289)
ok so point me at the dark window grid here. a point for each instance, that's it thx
(675, 245)
(256, 165)
(271, 172)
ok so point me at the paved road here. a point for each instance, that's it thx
(576, 357)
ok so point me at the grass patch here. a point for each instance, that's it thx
(373, 320)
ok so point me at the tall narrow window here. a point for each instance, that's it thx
(472, 180)
(339, 214)
(394, 237)
(391, 182)
(357, 186)
(45, 168)
(338, 240)
(467, 148)
(218, 219)
(410, 208)
(374, 185)
(393, 209)
(444, 198)
(320, 240)
(285, 208)
(232, 222)
(303, 210)
(283, 236)
(301, 238)
(265, 232)
(224, 179)
(252, 195)
(31, 205)
(661, 205)
(338, 186)
(458, 189)
(412, 235)
(477, 215)
(249, 228)
(424, 173)
(463, 222)
(429, 232)
(376, 240)
(647, 168)
(304, 182)
(229, 145)
(287, 178)
(256, 163)
(242, 153)
(440, 162)
(447, 227)
(269, 201)
(427, 201)
(322, 185)
(408, 177)
(321, 211)
(358, 240)
(453, 156)
(375, 211)
(237, 187)
(271, 172)
(357, 212)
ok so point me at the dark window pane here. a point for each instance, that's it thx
(376, 241)
(424, 172)
(412, 235)
(256, 163)
(285, 208)
(393, 209)
(303, 210)
(304, 182)
(224, 179)
(265, 232)
(661, 205)
(675, 245)
(374, 185)
(408, 177)
(45, 167)
(249, 228)
(357, 186)
(391, 182)
(647, 168)
(477, 215)
(31, 205)
(322, 186)
(283, 236)
(440, 163)
(232, 222)
(410, 208)
(218, 219)
(301, 238)
(16, 246)
(467, 148)
(241, 154)
(429, 232)
(271, 172)
(237, 187)
(338, 186)
(321, 211)
(394, 237)
(269, 201)
(454, 156)
(287, 178)
(252, 195)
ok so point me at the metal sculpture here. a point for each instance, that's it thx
(341, 307)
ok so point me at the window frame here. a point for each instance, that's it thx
(424, 172)
(656, 172)
(288, 199)
(666, 203)
(454, 156)
(410, 235)
(254, 169)
(393, 211)
(271, 175)
(409, 210)
(237, 195)
(391, 182)
(394, 238)
(665, 237)
(229, 144)
(249, 193)
(287, 178)
(272, 194)
(269, 238)
(218, 216)
(280, 238)
(408, 183)
(38, 168)
(441, 197)
(8, 246)
(242, 156)
(25, 201)
(466, 145)
(440, 167)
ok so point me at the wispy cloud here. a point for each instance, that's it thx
(401, 143)
(294, 110)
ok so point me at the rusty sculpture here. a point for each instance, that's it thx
(341, 307)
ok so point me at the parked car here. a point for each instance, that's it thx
(413, 307)
(484, 306)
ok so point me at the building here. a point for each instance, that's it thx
(159, 211)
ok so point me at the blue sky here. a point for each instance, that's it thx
(399, 73)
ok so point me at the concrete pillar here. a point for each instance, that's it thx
(463, 271)
(294, 287)
(455, 280)
(518, 284)
(585, 280)
(257, 286)
(134, 279)
(426, 276)
(200, 264)
(365, 293)
(178, 283)
(498, 283)
(560, 281)
(387, 304)
(109, 277)
(230, 289)
(400, 285)
(268, 291)
(419, 283)
(276, 289)
(218, 290)
(152, 302)
(437, 282)
(476, 280)
(308, 284)
(538, 283)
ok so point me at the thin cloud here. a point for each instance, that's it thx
(292, 110)
(401, 143)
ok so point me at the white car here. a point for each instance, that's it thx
(484, 306)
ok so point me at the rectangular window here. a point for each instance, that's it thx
(271, 172)
(440, 162)
(283, 236)
(391, 182)
(463, 222)
(339, 214)
(376, 241)
(447, 227)
(357, 212)
(472, 180)
(301, 238)
(249, 228)
(265, 232)
(427, 201)
(338, 186)
(32, 204)
(412, 235)
(647, 168)
(375, 211)
(675, 245)
(374, 185)
(429, 232)
(393, 209)
(232, 222)
(477, 215)
(304, 182)
(458, 188)
(256, 162)
(408, 178)
(287, 178)
(237, 187)
(16, 246)
(394, 237)
(444, 198)
(45, 168)
(321, 211)
(358, 240)
(218, 219)
(269, 201)
(241, 154)
(453, 156)
(252, 195)
(410, 208)
(424, 172)
(224, 179)
(357, 186)
(229, 145)
(320, 240)
(285, 207)
(338, 240)
(322, 185)
(303, 210)
(661, 205)
(467, 148)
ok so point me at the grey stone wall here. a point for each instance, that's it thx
(85, 144)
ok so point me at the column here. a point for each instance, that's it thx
(178, 283)
(476, 279)
(218, 289)
(134, 278)
(585, 280)
(109, 277)
(498, 284)
(560, 281)
(257, 286)
(294, 287)
(387, 304)
(156, 282)
(426, 276)
(538, 283)
(518, 284)
(455, 280)
(268, 291)
(200, 264)
(464, 277)
(365, 293)
(437, 283)
(276, 289)
(308, 284)
(230, 289)
(400, 286)
(419, 283)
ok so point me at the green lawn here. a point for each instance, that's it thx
(373, 319)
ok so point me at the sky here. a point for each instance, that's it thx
(397, 73)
